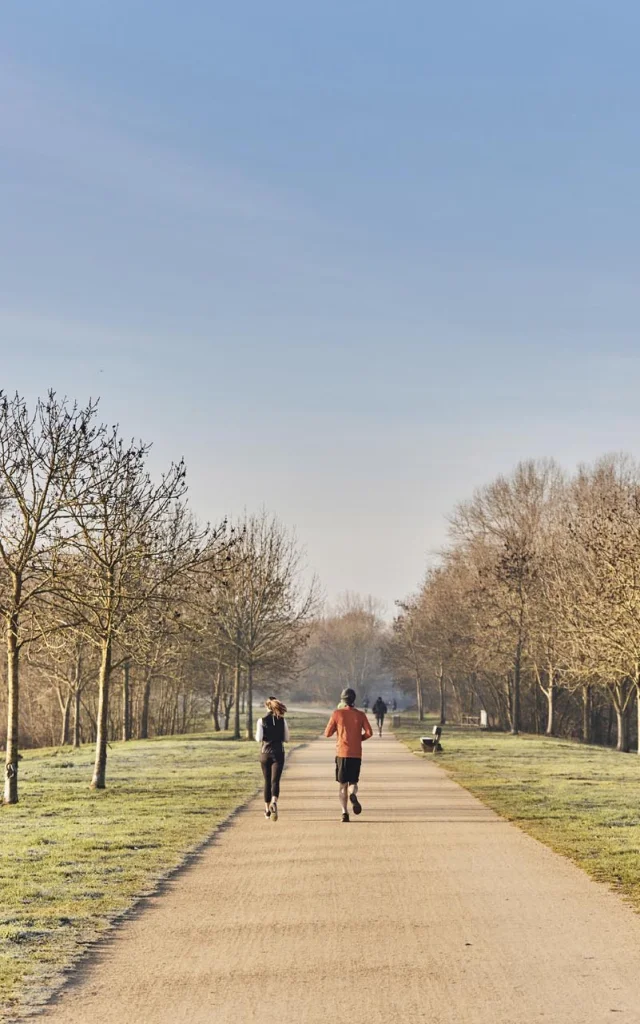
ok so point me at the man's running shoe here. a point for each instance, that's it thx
(345, 815)
(274, 811)
(357, 806)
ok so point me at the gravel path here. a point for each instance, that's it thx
(427, 908)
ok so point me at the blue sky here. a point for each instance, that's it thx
(350, 259)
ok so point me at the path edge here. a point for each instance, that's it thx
(68, 975)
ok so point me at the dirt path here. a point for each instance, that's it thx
(427, 908)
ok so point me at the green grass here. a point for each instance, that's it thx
(582, 801)
(73, 860)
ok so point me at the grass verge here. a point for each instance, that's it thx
(72, 860)
(582, 801)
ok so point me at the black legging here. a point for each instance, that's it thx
(272, 770)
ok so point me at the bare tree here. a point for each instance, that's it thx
(599, 574)
(345, 649)
(42, 455)
(262, 608)
(133, 537)
(65, 660)
(405, 651)
(506, 519)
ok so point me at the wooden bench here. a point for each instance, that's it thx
(431, 744)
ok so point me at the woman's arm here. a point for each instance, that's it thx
(286, 731)
(259, 731)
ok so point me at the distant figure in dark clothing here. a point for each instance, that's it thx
(379, 709)
(272, 732)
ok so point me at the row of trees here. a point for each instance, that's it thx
(533, 611)
(346, 647)
(105, 573)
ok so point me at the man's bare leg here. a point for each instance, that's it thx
(353, 796)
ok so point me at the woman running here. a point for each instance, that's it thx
(272, 732)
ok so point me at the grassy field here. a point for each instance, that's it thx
(72, 860)
(582, 801)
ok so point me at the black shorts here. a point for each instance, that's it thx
(348, 769)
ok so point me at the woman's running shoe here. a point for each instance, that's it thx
(274, 811)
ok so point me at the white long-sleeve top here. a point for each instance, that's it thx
(260, 731)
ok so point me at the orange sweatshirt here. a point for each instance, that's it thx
(350, 727)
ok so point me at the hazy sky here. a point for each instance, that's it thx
(351, 259)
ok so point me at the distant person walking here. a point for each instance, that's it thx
(272, 732)
(379, 709)
(351, 727)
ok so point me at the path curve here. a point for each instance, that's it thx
(427, 908)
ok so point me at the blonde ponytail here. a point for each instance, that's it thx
(276, 707)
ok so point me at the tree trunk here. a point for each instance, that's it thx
(185, 713)
(458, 709)
(420, 698)
(144, 717)
(550, 694)
(536, 711)
(76, 717)
(622, 721)
(77, 692)
(126, 705)
(249, 721)
(443, 704)
(506, 704)
(236, 703)
(215, 712)
(638, 704)
(100, 768)
(215, 699)
(586, 714)
(13, 703)
(515, 693)
(65, 707)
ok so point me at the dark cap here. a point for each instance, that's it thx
(348, 696)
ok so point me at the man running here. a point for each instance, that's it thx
(350, 727)
(379, 709)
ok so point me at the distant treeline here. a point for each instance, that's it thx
(533, 611)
